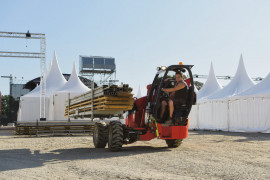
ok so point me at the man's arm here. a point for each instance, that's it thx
(176, 88)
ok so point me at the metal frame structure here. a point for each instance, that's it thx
(104, 73)
(224, 77)
(40, 55)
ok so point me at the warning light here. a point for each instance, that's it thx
(180, 63)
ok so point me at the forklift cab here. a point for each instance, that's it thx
(165, 78)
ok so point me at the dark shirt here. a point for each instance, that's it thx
(180, 96)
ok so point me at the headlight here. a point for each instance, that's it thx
(163, 68)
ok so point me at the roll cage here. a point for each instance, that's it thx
(155, 93)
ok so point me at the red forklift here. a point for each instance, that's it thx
(143, 122)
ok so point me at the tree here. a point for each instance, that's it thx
(198, 84)
(5, 105)
(9, 109)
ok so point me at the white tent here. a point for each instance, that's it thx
(260, 89)
(193, 114)
(73, 87)
(139, 94)
(249, 111)
(239, 83)
(246, 112)
(210, 86)
(54, 80)
(249, 114)
(29, 109)
(213, 111)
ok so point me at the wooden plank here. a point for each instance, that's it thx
(97, 98)
(114, 103)
(115, 107)
(125, 93)
(107, 109)
(116, 98)
(105, 98)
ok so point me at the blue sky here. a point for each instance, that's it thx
(141, 35)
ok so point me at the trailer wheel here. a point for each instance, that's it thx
(116, 136)
(100, 135)
(174, 143)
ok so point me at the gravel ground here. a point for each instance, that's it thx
(203, 155)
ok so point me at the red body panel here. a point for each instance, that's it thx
(148, 136)
(136, 120)
(167, 132)
(173, 132)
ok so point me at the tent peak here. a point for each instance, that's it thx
(74, 84)
(211, 85)
(139, 94)
(54, 80)
(74, 69)
(238, 84)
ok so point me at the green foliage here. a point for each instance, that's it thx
(9, 109)
(198, 84)
(5, 105)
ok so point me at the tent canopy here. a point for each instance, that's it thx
(211, 85)
(74, 84)
(239, 83)
(73, 87)
(54, 80)
(259, 89)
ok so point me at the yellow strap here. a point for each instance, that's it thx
(157, 133)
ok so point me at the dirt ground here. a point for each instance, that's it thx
(203, 155)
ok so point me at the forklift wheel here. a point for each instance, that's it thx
(174, 143)
(100, 135)
(116, 136)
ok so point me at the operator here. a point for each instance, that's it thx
(178, 96)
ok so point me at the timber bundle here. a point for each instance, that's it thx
(107, 99)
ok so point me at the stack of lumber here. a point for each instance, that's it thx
(54, 128)
(107, 100)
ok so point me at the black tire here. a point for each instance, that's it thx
(116, 136)
(174, 143)
(100, 135)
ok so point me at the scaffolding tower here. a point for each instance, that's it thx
(92, 66)
(39, 55)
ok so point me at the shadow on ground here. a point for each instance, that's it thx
(14, 159)
(243, 136)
